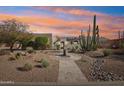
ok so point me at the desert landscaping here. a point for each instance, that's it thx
(37, 59)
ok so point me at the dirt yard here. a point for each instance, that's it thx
(9, 70)
(114, 64)
(84, 64)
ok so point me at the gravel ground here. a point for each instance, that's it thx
(9, 69)
(109, 68)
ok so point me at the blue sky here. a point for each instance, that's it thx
(67, 20)
(111, 10)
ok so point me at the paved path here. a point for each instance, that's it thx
(69, 72)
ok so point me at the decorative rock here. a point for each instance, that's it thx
(98, 74)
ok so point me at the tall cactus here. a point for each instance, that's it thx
(94, 33)
(88, 39)
(90, 42)
(97, 36)
(82, 41)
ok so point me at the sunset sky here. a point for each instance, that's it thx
(66, 21)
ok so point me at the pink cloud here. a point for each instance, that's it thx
(108, 25)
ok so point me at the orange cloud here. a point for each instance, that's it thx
(72, 11)
(108, 25)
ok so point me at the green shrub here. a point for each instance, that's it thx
(30, 51)
(45, 64)
(17, 55)
(74, 48)
(27, 67)
(40, 43)
(107, 52)
(57, 46)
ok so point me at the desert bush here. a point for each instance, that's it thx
(27, 67)
(30, 50)
(40, 43)
(107, 52)
(58, 46)
(17, 55)
(74, 48)
(45, 63)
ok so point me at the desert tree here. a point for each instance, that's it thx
(10, 30)
(24, 39)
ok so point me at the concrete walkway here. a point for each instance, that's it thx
(69, 72)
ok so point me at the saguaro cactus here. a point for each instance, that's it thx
(95, 36)
(82, 41)
(94, 33)
(90, 42)
(88, 39)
